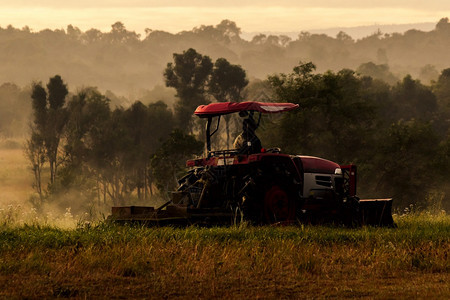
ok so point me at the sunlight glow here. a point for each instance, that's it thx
(175, 19)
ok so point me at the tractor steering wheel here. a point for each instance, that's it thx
(273, 150)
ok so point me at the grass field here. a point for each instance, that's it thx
(410, 261)
(15, 175)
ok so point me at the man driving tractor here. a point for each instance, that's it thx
(247, 142)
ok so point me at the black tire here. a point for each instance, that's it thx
(278, 205)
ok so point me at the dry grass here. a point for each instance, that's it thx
(266, 262)
(15, 177)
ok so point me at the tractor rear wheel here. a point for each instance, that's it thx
(279, 205)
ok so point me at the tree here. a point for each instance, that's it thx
(56, 120)
(88, 112)
(443, 25)
(225, 32)
(229, 29)
(92, 35)
(428, 74)
(14, 110)
(35, 146)
(188, 74)
(147, 126)
(39, 105)
(108, 152)
(169, 160)
(344, 38)
(375, 71)
(406, 162)
(442, 90)
(119, 34)
(226, 84)
(413, 100)
(35, 152)
(335, 116)
(49, 119)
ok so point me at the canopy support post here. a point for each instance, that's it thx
(209, 134)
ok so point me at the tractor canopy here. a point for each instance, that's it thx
(224, 108)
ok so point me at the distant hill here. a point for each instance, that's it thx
(355, 32)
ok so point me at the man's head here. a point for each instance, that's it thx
(249, 125)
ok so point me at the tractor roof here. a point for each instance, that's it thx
(223, 108)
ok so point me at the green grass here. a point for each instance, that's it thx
(237, 262)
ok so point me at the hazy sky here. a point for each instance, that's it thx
(178, 15)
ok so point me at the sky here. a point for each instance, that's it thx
(251, 16)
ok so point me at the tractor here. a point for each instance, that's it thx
(258, 185)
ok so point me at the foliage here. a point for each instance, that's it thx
(411, 99)
(333, 111)
(115, 147)
(380, 72)
(103, 155)
(407, 157)
(442, 90)
(227, 83)
(124, 61)
(14, 110)
(188, 74)
(50, 117)
(395, 134)
(168, 162)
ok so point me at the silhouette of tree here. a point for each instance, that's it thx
(189, 75)
(335, 116)
(375, 71)
(14, 110)
(442, 90)
(119, 34)
(169, 160)
(229, 29)
(428, 74)
(413, 100)
(226, 84)
(344, 37)
(92, 35)
(35, 147)
(49, 119)
(408, 147)
(443, 25)
(123, 61)
(56, 119)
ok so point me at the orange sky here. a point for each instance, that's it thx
(175, 16)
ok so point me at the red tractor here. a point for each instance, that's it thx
(261, 186)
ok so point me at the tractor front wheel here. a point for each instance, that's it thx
(278, 205)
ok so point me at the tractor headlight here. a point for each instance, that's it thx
(338, 171)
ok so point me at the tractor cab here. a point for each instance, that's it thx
(247, 143)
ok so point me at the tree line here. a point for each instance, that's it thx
(81, 148)
(126, 63)
(397, 134)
